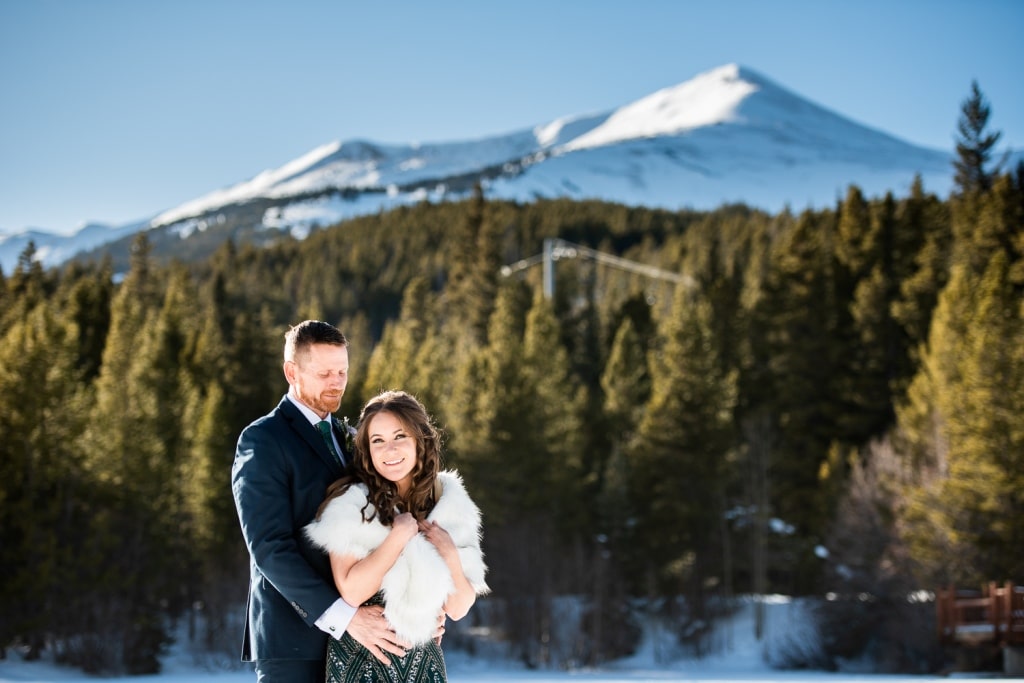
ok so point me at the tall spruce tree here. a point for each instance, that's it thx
(557, 415)
(959, 424)
(679, 460)
(626, 382)
(923, 420)
(490, 408)
(857, 239)
(925, 222)
(995, 226)
(503, 453)
(474, 268)
(798, 354)
(626, 385)
(40, 470)
(974, 146)
(26, 286)
(880, 360)
(136, 406)
(88, 304)
(986, 458)
(409, 354)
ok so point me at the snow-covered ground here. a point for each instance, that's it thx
(740, 657)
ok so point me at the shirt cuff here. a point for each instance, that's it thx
(335, 620)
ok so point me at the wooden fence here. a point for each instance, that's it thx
(992, 616)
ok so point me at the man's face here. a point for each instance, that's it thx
(318, 377)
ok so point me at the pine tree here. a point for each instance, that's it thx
(502, 419)
(679, 459)
(995, 225)
(131, 448)
(986, 454)
(880, 360)
(925, 222)
(474, 268)
(626, 382)
(360, 352)
(482, 284)
(856, 237)
(558, 403)
(212, 521)
(409, 354)
(39, 473)
(26, 287)
(490, 409)
(958, 428)
(626, 386)
(798, 346)
(975, 145)
(88, 304)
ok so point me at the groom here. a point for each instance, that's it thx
(283, 465)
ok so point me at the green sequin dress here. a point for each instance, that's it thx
(350, 662)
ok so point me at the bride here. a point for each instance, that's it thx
(401, 534)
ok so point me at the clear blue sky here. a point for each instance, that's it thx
(114, 110)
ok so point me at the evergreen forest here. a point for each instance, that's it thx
(828, 402)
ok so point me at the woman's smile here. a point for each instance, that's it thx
(392, 449)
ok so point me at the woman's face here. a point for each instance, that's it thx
(392, 450)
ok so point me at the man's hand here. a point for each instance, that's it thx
(370, 629)
(439, 633)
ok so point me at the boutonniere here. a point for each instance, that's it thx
(350, 435)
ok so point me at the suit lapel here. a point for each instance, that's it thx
(341, 436)
(298, 422)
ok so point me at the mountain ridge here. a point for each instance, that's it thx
(727, 135)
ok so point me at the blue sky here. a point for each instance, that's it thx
(114, 110)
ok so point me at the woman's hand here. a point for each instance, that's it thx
(404, 527)
(458, 602)
(358, 579)
(440, 539)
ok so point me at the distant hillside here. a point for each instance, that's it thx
(728, 135)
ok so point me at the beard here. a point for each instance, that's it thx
(322, 403)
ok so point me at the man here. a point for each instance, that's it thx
(283, 465)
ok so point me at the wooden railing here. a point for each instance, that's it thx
(992, 616)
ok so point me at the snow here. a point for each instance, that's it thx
(728, 135)
(740, 657)
(53, 249)
(706, 100)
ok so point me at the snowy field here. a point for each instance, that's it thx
(741, 658)
(14, 671)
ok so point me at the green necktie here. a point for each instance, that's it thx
(325, 431)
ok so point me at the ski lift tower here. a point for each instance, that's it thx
(556, 249)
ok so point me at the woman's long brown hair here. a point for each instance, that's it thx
(383, 498)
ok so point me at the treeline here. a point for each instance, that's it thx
(828, 402)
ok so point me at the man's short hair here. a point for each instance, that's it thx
(299, 338)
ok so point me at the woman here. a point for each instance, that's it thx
(401, 534)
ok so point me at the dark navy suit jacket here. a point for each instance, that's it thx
(280, 474)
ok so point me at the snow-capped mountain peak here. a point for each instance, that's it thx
(708, 99)
(261, 183)
(726, 135)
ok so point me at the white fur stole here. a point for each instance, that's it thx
(417, 585)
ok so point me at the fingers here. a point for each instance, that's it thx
(370, 629)
(432, 530)
(385, 646)
(441, 619)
